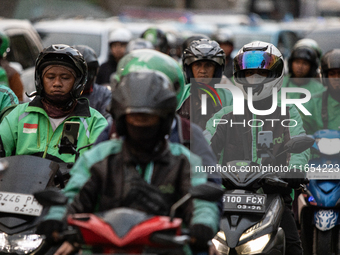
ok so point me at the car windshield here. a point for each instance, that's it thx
(94, 41)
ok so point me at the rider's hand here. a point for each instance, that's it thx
(294, 183)
(200, 235)
(50, 229)
(65, 249)
(295, 179)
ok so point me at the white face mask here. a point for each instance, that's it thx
(255, 79)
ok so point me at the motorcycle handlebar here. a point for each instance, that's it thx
(275, 181)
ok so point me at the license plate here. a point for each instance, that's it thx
(244, 203)
(19, 204)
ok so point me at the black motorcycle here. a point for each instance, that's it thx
(251, 218)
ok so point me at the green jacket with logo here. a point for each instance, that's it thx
(229, 138)
(315, 122)
(27, 130)
(7, 97)
(98, 181)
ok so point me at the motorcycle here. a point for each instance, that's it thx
(319, 203)
(20, 177)
(129, 231)
(251, 218)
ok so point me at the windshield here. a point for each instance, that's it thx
(94, 41)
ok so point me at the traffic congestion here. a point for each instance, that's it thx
(193, 134)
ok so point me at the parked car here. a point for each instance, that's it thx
(25, 45)
(93, 33)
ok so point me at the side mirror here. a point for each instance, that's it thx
(50, 197)
(299, 144)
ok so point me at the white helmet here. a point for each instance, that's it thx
(259, 56)
(120, 35)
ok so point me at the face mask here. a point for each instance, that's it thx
(255, 79)
(143, 138)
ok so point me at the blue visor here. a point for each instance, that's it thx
(256, 60)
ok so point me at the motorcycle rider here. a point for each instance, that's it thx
(260, 66)
(303, 64)
(144, 105)
(35, 128)
(118, 41)
(14, 80)
(158, 39)
(203, 64)
(98, 96)
(325, 107)
(182, 131)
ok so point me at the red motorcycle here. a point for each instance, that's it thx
(129, 231)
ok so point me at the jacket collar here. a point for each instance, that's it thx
(163, 157)
(82, 108)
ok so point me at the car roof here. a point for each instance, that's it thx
(79, 25)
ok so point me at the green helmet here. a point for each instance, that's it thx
(146, 59)
(4, 44)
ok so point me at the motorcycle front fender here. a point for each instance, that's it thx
(326, 219)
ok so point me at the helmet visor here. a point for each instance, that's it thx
(256, 60)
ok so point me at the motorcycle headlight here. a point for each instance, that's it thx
(219, 243)
(268, 220)
(254, 246)
(20, 244)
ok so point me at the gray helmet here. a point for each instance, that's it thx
(148, 92)
(61, 54)
(137, 44)
(203, 49)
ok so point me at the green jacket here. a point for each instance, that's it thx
(313, 86)
(173, 172)
(7, 97)
(315, 122)
(27, 130)
(229, 137)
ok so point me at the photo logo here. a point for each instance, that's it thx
(204, 96)
(238, 100)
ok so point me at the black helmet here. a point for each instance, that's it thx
(61, 54)
(91, 59)
(157, 37)
(148, 92)
(192, 38)
(224, 35)
(330, 60)
(307, 53)
(137, 44)
(203, 49)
